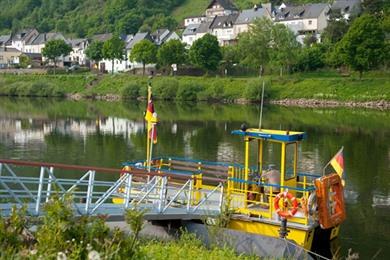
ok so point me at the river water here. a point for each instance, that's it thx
(106, 134)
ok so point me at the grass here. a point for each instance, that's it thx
(320, 85)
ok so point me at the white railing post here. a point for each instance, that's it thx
(221, 198)
(48, 191)
(89, 190)
(162, 194)
(40, 187)
(190, 195)
(1, 168)
(128, 189)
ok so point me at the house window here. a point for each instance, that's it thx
(310, 22)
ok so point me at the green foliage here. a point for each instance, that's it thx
(24, 61)
(144, 52)
(189, 91)
(113, 49)
(81, 18)
(362, 46)
(268, 44)
(166, 89)
(206, 53)
(253, 91)
(253, 45)
(131, 91)
(337, 27)
(284, 47)
(172, 52)
(95, 51)
(311, 58)
(56, 48)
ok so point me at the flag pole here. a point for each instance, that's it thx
(147, 130)
(151, 146)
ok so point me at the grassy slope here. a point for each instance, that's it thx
(318, 86)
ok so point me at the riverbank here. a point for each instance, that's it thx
(311, 89)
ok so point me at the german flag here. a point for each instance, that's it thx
(153, 133)
(149, 110)
(337, 162)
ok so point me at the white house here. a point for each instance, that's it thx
(248, 16)
(220, 8)
(222, 28)
(303, 19)
(161, 36)
(22, 38)
(77, 55)
(347, 8)
(194, 20)
(38, 43)
(9, 56)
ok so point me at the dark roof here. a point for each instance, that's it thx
(226, 21)
(345, 5)
(45, 37)
(295, 12)
(204, 27)
(21, 34)
(137, 38)
(4, 39)
(102, 37)
(247, 16)
(191, 29)
(226, 4)
(76, 42)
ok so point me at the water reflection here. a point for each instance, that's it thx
(106, 134)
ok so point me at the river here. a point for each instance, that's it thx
(106, 134)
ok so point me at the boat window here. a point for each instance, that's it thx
(290, 161)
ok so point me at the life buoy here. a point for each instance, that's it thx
(330, 199)
(287, 197)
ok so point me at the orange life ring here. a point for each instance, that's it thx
(287, 213)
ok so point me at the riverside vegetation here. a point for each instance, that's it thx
(320, 86)
(61, 235)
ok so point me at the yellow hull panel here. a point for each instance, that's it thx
(303, 238)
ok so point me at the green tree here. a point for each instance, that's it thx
(311, 58)
(144, 52)
(337, 27)
(362, 46)
(254, 45)
(206, 53)
(24, 61)
(95, 51)
(284, 47)
(129, 24)
(113, 49)
(230, 56)
(54, 49)
(172, 52)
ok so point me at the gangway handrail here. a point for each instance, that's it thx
(271, 185)
(133, 171)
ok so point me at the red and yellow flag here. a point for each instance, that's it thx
(151, 118)
(152, 132)
(337, 162)
(149, 111)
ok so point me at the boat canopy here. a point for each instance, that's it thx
(272, 135)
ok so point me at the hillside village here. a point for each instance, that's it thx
(221, 18)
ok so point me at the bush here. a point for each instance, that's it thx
(41, 89)
(189, 91)
(131, 91)
(253, 90)
(166, 89)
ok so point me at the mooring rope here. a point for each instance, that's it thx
(308, 251)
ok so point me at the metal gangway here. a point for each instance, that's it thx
(107, 191)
